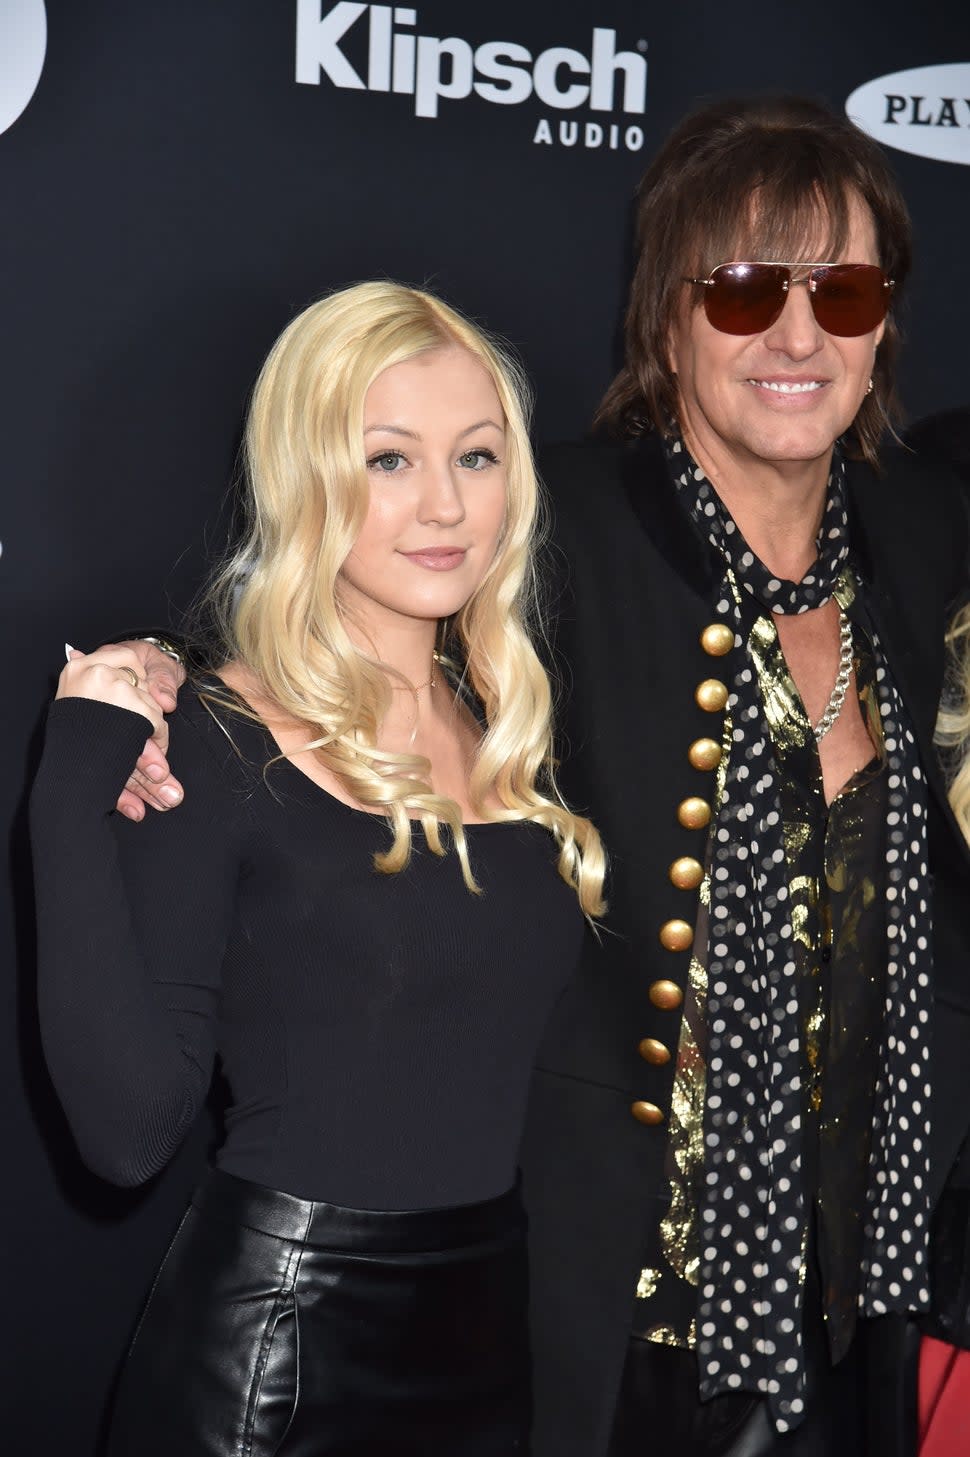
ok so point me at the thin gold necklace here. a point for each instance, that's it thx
(432, 682)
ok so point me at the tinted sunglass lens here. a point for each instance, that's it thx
(850, 299)
(745, 298)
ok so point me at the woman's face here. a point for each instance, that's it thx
(434, 442)
(779, 397)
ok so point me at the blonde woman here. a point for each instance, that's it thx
(364, 909)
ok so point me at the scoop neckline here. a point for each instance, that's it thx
(280, 759)
(375, 814)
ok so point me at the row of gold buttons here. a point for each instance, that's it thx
(686, 872)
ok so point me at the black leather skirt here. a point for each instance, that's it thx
(280, 1326)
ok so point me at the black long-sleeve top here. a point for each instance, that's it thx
(377, 1031)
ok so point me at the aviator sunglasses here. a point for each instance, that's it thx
(847, 299)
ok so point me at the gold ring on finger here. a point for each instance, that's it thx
(130, 673)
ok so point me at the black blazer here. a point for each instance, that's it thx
(633, 592)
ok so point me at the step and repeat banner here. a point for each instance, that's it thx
(176, 180)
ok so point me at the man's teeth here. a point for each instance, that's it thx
(782, 388)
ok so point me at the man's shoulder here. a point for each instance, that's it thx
(911, 491)
(598, 478)
(906, 476)
(582, 455)
(913, 513)
(575, 461)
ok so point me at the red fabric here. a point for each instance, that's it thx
(944, 1400)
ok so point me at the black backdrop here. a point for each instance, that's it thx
(171, 195)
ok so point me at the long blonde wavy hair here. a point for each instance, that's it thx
(953, 721)
(276, 600)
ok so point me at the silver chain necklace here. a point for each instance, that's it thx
(841, 687)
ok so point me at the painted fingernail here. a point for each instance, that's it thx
(68, 650)
(171, 795)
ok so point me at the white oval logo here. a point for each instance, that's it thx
(23, 45)
(925, 111)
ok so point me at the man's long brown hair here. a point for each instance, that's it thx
(766, 178)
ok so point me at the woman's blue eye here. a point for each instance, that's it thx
(391, 462)
(388, 461)
(478, 459)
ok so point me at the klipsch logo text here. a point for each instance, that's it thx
(379, 48)
(925, 111)
(23, 45)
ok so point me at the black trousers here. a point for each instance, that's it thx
(863, 1407)
(278, 1327)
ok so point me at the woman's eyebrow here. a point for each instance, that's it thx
(413, 435)
(392, 430)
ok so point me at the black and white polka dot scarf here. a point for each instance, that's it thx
(754, 1209)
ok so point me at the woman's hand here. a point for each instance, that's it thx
(117, 674)
(111, 675)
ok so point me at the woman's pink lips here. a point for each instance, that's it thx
(437, 558)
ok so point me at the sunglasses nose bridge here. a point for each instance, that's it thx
(793, 319)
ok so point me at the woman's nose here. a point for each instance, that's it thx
(441, 498)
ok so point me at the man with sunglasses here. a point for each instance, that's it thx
(731, 1158)
(746, 1106)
